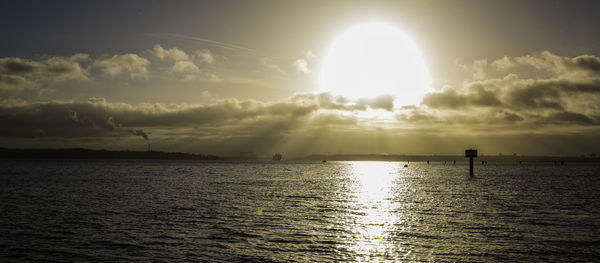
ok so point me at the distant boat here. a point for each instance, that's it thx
(406, 165)
(277, 157)
(324, 161)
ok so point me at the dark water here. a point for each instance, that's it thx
(282, 212)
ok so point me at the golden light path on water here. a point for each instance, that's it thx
(377, 214)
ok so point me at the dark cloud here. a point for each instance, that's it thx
(560, 91)
(55, 119)
(477, 95)
(480, 96)
(588, 62)
(51, 67)
(568, 118)
(534, 96)
(12, 82)
(448, 98)
(13, 65)
(100, 118)
(510, 116)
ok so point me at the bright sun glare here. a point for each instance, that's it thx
(374, 59)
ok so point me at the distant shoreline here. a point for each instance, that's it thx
(446, 158)
(80, 153)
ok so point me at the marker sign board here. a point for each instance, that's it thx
(471, 153)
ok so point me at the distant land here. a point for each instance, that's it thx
(79, 153)
(442, 158)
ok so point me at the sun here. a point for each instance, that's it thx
(374, 59)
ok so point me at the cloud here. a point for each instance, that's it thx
(14, 65)
(229, 126)
(66, 68)
(13, 82)
(587, 62)
(328, 101)
(49, 75)
(384, 102)
(172, 53)
(535, 90)
(511, 117)
(301, 66)
(97, 100)
(97, 117)
(569, 118)
(204, 56)
(54, 68)
(542, 94)
(329, 119)
(25, 78)
(185, 67)
(130, 64)
(187, 70)
(476, 95)
(543, 64)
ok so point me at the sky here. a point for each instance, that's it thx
(224, 77)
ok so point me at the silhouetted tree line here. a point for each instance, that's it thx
(79, 153)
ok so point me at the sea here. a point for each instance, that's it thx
(221, 211)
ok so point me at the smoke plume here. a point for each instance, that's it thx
(139, 133)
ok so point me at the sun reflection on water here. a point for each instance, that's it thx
(376, 215)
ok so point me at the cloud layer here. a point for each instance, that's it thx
(533, 91)
(543, 97)
(30, 78)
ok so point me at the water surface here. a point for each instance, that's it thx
(297, 211)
